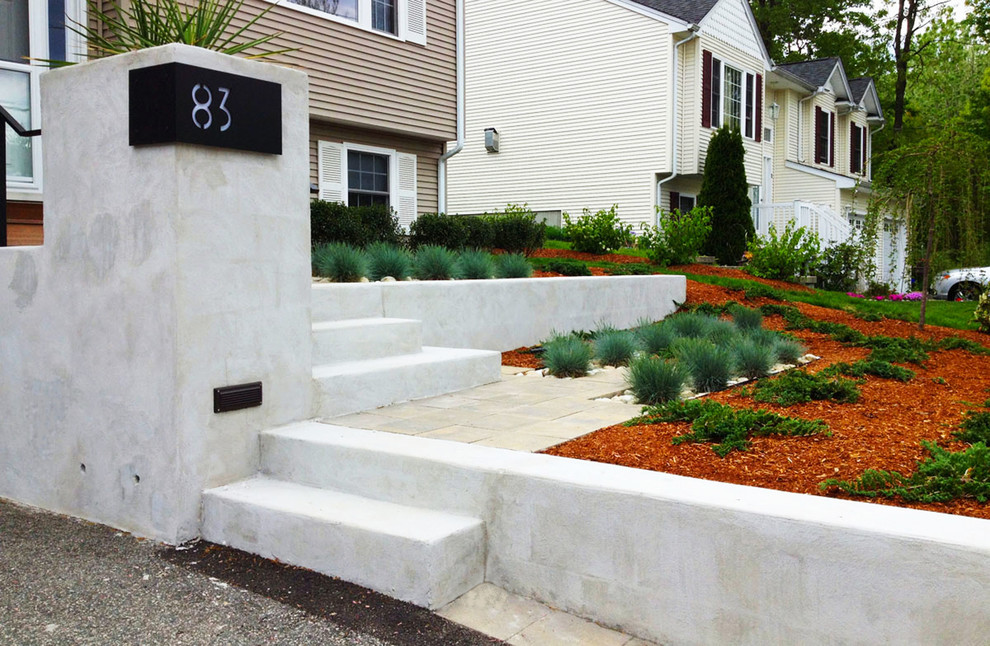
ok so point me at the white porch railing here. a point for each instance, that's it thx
(815, 218)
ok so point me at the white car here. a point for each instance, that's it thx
(961, 284)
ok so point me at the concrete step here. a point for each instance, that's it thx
(417, 471)
(365, 338)
(354, 386)
(425, 557)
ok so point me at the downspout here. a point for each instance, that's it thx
(459, 144)
(800, 143)
(673, 156)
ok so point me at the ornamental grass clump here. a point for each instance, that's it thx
(753, 359)
(710, 366)
(799, 386)
(690, 324)
(789, 351)
(614, 347)
(567, 356)
(654, 338)
(746, 318)
(433, 262)
(513, 265)
(722, 333)
(728, 427)
(474, 264)
(654, 380)
(388, 260)
(340, 262)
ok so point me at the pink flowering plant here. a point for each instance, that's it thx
(907, 296)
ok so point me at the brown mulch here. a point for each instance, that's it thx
(521, 359)
(726, 272)
(588, 257)
(883, 430)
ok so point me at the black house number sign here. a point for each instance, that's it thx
(179, 103)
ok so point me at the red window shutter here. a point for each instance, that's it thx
(864, 132)
(759, 108)
(706, 89)
(675, 201)
(818, 134)
(853, 136)
(831, 139)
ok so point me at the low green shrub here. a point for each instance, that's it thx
(433, 262)
(556, 233)
(873, 367)
(599, 232)
(982, 312)
(753, 359)
(386, 259)
(340, 262)
(728, 427)
(839, 266)
(513, 265)
(958, 343)
(438, 230)
(759, 290)
(709, 365)
(654, 380)
(654, 338)
(516, 230)
(568, 267)
(747, 318)
(474, 264)
(975, 427)
(678, 238)
(355, 225)
(783, 256)
(480, 233)
(614, 348)
(799, 386)
(567, 356)
(941, 477)
(894, 349)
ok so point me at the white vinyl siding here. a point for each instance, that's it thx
(578, 127)
(790, 185)
(729, 22)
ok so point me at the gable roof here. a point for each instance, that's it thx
(859, 87)
(864, 94)
(693, 11)
(814, 74)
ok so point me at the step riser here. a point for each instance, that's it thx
(374, 472)
(366, 340)
(428, 574)
(362, 390)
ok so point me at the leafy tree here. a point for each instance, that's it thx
(724, 188)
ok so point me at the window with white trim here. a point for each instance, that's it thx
(30, 29)
(403, 19)
(360, 175)
(824, 136)
(733, 100)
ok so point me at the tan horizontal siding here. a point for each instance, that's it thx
(366, 79)
(427, 155)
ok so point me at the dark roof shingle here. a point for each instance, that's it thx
(690, 10)
(814, 73)
(859, 87)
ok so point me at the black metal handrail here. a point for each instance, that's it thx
(21, 131)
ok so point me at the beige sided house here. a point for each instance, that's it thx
(383, 94)
(588, 117)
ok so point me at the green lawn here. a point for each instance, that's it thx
(944, 313)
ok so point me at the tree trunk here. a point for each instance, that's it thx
(926, 266)
(907, 14)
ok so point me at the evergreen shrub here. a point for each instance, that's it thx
(438, 229)
(725, 189)
(355, 225)
(516, 230)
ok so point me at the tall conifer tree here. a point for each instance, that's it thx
(724, 188)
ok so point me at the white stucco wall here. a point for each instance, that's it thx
(167, 271)
(504, 314)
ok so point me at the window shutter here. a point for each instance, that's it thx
(675, 201)
(864, 132)
(716, 93)
(818, 135)
(331, 171)
(706, 89)
(831, 139)
(854, 152)
(407, 190)
(759, 108)
(416, 21)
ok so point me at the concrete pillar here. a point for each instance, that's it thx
(167, 270)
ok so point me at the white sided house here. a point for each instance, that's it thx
(587, 118)
(619, 107)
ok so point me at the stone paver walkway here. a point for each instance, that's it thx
(524, 411)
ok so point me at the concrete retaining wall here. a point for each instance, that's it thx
(504, 314)
(673, 559)
(167, 271)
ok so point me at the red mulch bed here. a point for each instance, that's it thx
(726, 272)
(883, 430)
(588, 257)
